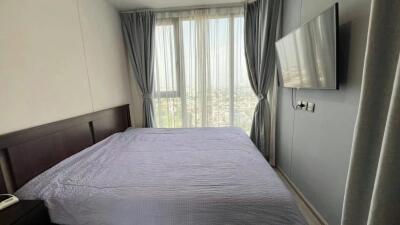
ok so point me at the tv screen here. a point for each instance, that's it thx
(307, 56)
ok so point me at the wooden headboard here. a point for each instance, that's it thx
(27, 153)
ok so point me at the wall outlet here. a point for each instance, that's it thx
(305, 106)
(301, 105)
(310, 106)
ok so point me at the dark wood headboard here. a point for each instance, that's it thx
(27, 153)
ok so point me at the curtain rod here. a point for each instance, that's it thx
(186, 8)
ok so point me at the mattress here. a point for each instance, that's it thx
(166, 176)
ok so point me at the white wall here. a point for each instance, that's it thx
(59, 59)
(313, 149)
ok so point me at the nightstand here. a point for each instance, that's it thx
(25, 212)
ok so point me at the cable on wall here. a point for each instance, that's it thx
(293, 98)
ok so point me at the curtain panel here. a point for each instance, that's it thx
(200, 70)
(138, 29)
(372, 193)
(261, 30)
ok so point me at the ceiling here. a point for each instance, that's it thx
(141, 4)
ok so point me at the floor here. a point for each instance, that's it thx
(305, 210)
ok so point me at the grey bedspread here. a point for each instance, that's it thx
(163, 177)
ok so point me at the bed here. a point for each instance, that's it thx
(165, 176)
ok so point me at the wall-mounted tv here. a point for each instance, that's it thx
(307, 57)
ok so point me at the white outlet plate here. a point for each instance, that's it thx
(310, 107)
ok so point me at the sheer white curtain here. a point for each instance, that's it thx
(200, 70)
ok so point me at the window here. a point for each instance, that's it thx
(200, 72)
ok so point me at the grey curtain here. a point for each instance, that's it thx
(138, 29)
(373, 184)
(261, 27)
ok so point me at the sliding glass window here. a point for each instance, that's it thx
(200, 72)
